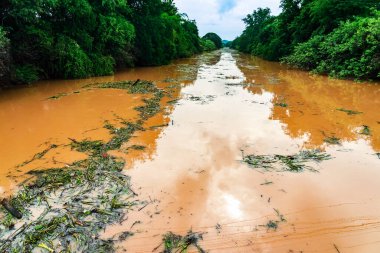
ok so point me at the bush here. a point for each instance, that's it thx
(102, 65)
(25, 74)
(351, 50)
(207, 45)
(70, 61)
(306, 55)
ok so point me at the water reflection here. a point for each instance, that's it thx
(30, 122)
(312, 103)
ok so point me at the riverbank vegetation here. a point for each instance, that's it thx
(338, 38)
(78, 39)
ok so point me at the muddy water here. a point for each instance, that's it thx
(191, 170)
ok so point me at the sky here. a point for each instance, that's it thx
(223, 17)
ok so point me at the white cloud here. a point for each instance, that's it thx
(214, 15)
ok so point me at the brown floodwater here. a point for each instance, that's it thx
(191, 171)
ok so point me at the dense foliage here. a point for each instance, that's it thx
(207, 45)
(351, 50)
(4, 57)
(81, 38)
(336, 37)
(214, 38)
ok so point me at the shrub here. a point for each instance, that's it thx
(208, 45)
(25, 74)
(70, 61)
(351, 50)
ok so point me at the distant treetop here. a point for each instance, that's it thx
(214, 38)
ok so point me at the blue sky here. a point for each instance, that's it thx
(223, 16)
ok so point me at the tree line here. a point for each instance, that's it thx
(42, 39)
(340, 38)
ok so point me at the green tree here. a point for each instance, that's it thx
(214, 38)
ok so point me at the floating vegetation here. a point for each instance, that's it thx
(151, 107)
(232, 77)
(218, 228)
(58, 96)
(291, 163)
(174, 101)
(267, 183)
(169, 80)
(88, 146)
(75, 203)
(133, 87)
(282, 104)
(273, 80)
(37, 156)
(273, 224)
(349, 112)
(240, 84)
(365, 130)
(137, 147)
(177, 243)
(202, 100)
(332, 140)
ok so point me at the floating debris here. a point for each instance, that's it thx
(137, 147)
(79, 201)
(218, 228)
(58, 96)
(241, 84)
(291, 163)
(12, 210)
(349, 112)
(177, 243)
(332, 140)
(365, 130)
(282, 104)
(76, 202)
(273, 224)
(267, 183)
(203, 100)
(38, 156)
